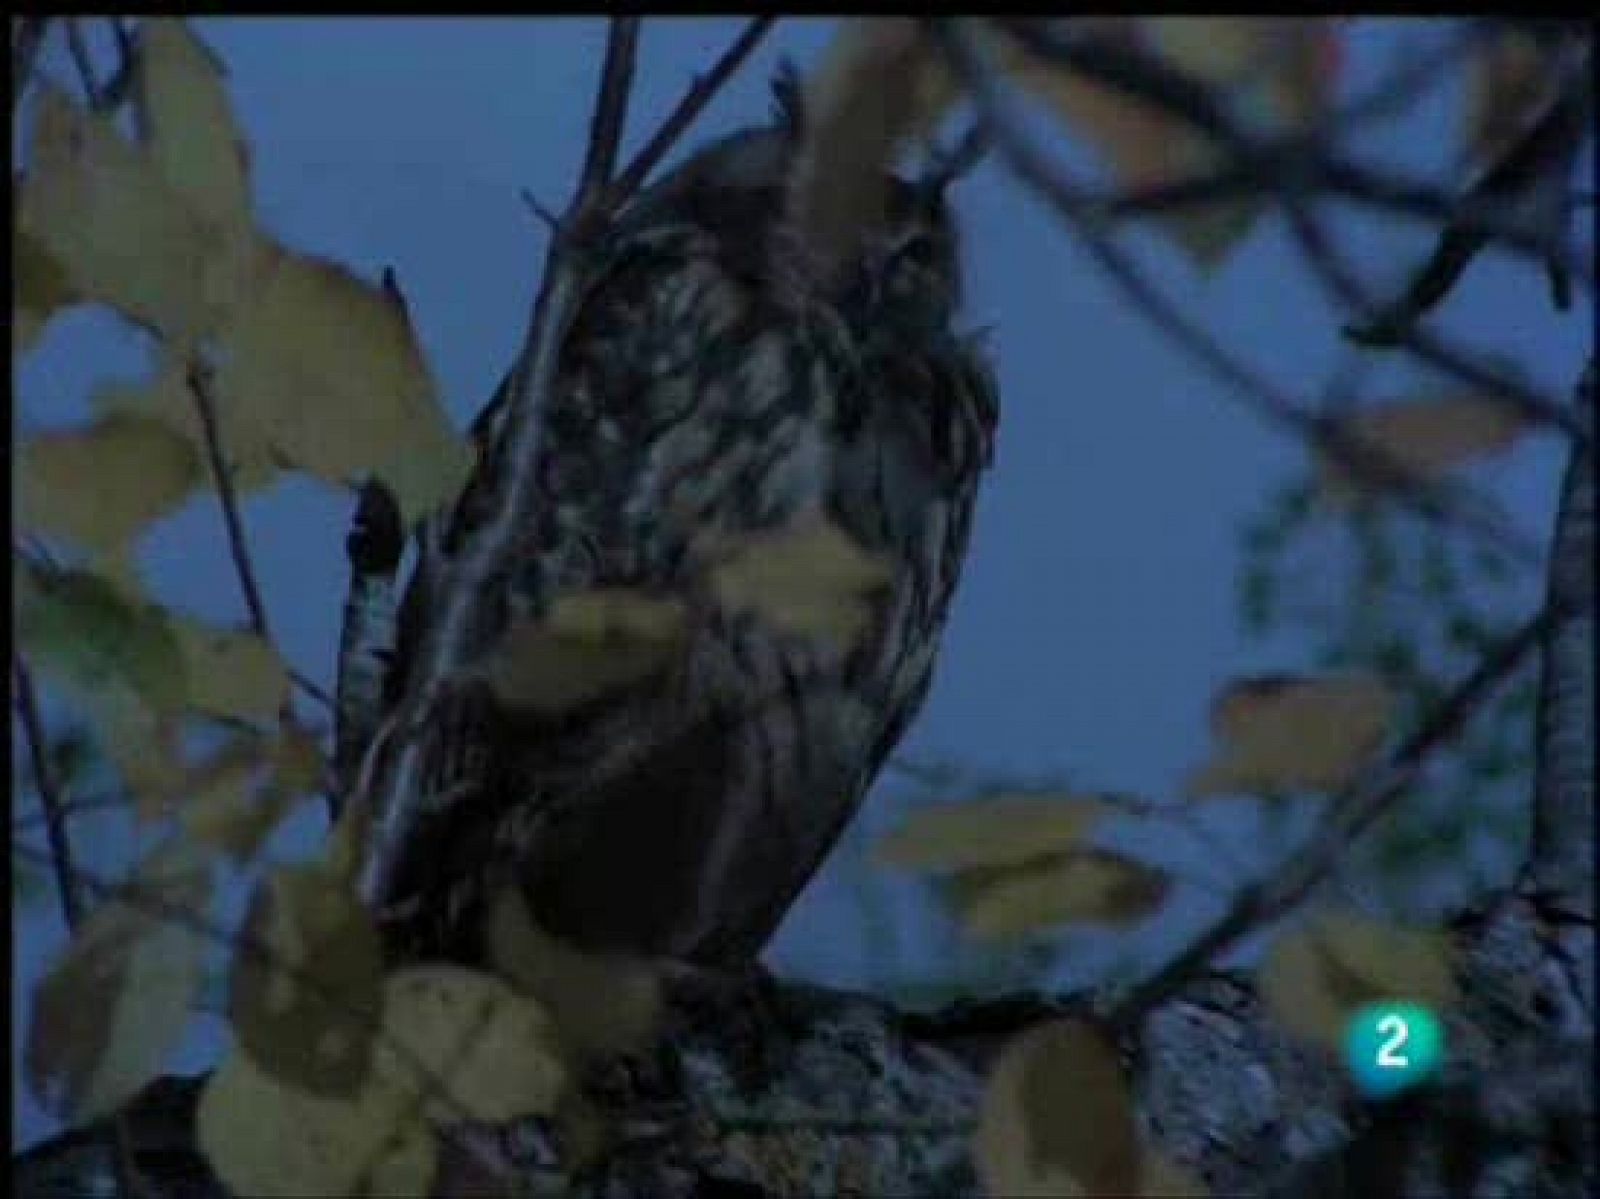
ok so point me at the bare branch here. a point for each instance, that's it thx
(700, 93)
(199, 382)
(1561, 850)
(1289, 168)
(1055, 185)
(389, 787)
(310, 688)
(611, 106)
(51, 799)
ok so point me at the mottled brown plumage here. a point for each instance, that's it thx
(709, 387)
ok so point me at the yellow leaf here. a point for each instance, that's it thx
(103, 485)
(809, 578)
(1057, 1118)
(118, 661)
(306, 1010)
(118, 1001)
(232, 673)
(1095, 887)
(879, 85)
(406, 1165)
(1315, 978)
(265, 1138)
(996, 830)
(188, 126)
(566, 981)
(327, 366)
(167, 398)
(120, 233)
(87, 637)
(236, 800)
(39, 289)
(588, 644)
(1427, 438)
(1282, 733)
(1279, 70)
(473, 1047)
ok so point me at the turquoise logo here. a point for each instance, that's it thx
(1392, 1046)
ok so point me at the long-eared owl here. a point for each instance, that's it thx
(707, 388)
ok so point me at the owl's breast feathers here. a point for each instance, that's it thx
(693, 403)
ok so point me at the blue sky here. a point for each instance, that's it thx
(1097, 612)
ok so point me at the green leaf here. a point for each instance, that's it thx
(86, 636)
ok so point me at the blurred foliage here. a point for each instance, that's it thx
(72, 761)
(1374, 589)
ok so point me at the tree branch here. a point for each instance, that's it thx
(700, 93)
(1289, 168)
(1052, 183)
(50, 798)
(1348, 815)
(389, 787)
(1561, 850)
(227, 499)
(611, 106)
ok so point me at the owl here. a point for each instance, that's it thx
(709, 389)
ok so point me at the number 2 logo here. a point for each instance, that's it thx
(1396, 1034)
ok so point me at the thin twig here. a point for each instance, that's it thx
(700, 93)
(83, 62)
(70, 808)
(310, 688)
(205, 404)
(611, 106)
(1498, 220)
(1288, 167)
(50, 796)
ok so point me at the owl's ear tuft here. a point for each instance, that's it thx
(788, 98)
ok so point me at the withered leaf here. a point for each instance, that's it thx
(566, 981)
(118, 1001)
(1317, 976)
(588, 644)
(119, 232)
(1082, 886)
(103, 485)
(1057, 1118)
(996, 830)
(880, 84)
(304, 1002)
(1284, 733)
(809, 578)
(469, 1045)
(266, 1138)
(1426, 438)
